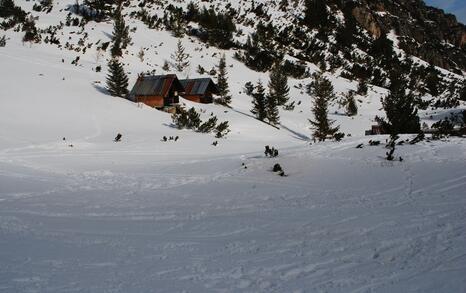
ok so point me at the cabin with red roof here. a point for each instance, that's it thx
(199, 90)
(158, 91)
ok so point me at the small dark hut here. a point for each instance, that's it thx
(157, 91)
(199, 90)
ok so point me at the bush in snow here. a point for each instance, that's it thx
(2, 41)
(208, 126)
(194, 119)
(222, 129)
(31, 32)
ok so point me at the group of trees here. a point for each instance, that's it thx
(216, 28)
(265, 105)
(191, 119)
(14, 13)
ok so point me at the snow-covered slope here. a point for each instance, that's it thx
(144, 215)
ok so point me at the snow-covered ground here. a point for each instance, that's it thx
(144, 215)
(116, 219)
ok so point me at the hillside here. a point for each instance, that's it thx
(82, 213)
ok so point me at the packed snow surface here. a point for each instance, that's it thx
(81, 213)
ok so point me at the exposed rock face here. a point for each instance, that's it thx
(425, 32)
(365, 18)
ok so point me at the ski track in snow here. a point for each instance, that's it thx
(152, 229)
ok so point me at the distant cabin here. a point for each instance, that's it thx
(157, 91)
(199, 90)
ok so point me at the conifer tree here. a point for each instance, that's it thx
(117, 80)
(322, 90)
(272, 110)
(222, 82)
(180, 59)
(400, 109)
(259, 102)
(120, 37)
(351, 106)
(278, 85)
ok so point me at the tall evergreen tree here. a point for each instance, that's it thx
(222, 82)
(180, 59)
(322, 90)
(259, 102)
(351, 106)
(120, 37)
(117, 80)
(433, 81)
(278, 85)
(400, 109)
(273, 116)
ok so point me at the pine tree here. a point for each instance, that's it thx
(278, 85)
(222, 82)
(351, 106)
(259, 102)
(117, 80)
(272, 110)
(180, 59)
(400, 109)
(194, 119)
(322, 90)
(120, 37)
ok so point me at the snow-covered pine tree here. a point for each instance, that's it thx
(222, 82)
(278, 85)
(120, 37)
(259, 102)
(322, 90)
(117, 80)
(180, 59)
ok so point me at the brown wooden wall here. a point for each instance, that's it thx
(152, 101)
(199, 98)
(193, 98)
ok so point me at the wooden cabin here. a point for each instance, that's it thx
(199, 90)
(158, 91)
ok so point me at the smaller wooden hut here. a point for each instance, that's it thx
(199, 90)
(157, 91)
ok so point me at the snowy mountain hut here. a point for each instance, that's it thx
(158, 91)
(199, 90)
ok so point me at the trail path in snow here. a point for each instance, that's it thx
(344, 220)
